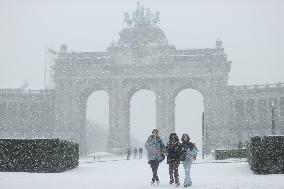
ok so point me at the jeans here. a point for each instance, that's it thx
(154, 165)
(187, 167)
(173, 170)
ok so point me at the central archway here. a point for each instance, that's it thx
(142, 116)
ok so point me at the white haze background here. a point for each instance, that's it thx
(251, 31)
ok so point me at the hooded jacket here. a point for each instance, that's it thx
(154, 148)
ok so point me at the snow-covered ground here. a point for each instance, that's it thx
(136, 174)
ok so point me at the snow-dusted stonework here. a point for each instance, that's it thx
(142, 58)
(26, 113)
(252, 107)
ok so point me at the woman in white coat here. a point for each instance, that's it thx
(190, 151)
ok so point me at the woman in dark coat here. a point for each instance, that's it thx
(173, 149)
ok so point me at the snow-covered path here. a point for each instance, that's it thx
(136, 174)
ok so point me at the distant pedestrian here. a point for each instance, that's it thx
(135, 153)
(154, 147)
(190, 151)
(240, 147)
(140, 152)
(128, 153)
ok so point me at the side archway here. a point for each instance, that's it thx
(97, 121)
(189, 108)
(85, 93)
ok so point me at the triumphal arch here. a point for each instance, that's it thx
(142, 58)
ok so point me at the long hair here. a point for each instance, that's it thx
(187, 143)
(155, 131)
(173, 135)
(185, 136)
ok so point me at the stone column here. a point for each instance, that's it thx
(207, 120)
(263, 111)
(79, 97)
(83, 138)
(3, 114)
(281, 115)
(17, 120)
(112, 118)
(62, 109)
(119, 118)
(278, 122)
(80, 123)
(165, 115)
(70, 113)
(251, 107)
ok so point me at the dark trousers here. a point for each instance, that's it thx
(140, 155)
(173, 171)
(154, 165)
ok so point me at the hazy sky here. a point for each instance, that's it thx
(251, 31)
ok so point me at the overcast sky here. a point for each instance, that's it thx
(251, 31)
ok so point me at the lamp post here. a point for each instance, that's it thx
(273, 118)
(204, 137)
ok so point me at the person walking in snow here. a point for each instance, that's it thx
(240, 147)
(135, 153)
(154, 147)
(173, 149)
(140, 152)
(128, 153)
(190, 151)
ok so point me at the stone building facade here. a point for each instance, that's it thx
(26, 113)
(254, 107)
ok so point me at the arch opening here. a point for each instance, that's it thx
(142, 116)
(189, 107)
(97, 121)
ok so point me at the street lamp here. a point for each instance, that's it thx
(272, 118)
(203, 137)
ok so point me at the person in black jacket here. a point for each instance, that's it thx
(128, 153)
(135, 153)
(140, 152)
(173, 149)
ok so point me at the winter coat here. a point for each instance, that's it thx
(173, 152)
(128, 151)
(154, 148)
(135, 150)
(190, 149)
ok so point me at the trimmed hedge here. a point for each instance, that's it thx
(266, 154)
(232, 153)
(38, 155)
